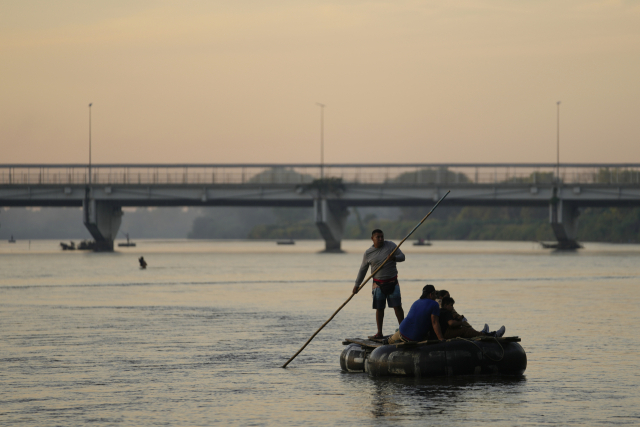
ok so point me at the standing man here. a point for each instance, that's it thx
(386, 289)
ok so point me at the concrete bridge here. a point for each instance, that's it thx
(105, 188)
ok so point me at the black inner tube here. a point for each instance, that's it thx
(482, 349)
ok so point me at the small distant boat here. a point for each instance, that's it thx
(421, 242)
(565, 245)
(286, 242)
(128, 244)
(12, 240)
(70, 247)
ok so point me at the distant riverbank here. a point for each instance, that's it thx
(611, 225)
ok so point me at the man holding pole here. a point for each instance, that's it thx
(398, 256)
(386, 289)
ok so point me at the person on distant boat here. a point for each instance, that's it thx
(386, 289)
(452, 328)
(143, 263)
(422, 322)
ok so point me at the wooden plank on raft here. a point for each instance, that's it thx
(415, 343)
(482, 338)
(362, 342)
(375, 344)
(498, 339)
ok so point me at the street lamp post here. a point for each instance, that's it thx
(558, 147)
(90, 143)
(321, 139)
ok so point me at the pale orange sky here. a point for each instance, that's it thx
(204, 81)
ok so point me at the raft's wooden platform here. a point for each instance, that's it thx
(375, 343)
(486, 339)
(365, 342)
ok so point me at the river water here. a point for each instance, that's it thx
(198, 337)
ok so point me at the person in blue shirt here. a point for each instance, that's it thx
(422, 322)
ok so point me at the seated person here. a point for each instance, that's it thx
(422, 322)
(440, 295)
(452, 328)
(465, 324)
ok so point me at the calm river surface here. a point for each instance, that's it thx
(199, 337)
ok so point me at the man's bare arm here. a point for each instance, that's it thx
(435, 322)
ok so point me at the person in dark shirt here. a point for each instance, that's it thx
(422, 321)
(452, 328)
(442, 293)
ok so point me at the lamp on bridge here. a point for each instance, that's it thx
(558, 147)
(321, 139)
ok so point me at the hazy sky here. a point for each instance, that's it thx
(237, 81)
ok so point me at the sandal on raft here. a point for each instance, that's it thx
(376, 337)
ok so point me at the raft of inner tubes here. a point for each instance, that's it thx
(458, 356)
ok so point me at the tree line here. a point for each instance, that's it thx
(616, 225)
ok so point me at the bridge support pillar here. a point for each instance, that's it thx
(563, 217)
(331, 220)
(102, 219)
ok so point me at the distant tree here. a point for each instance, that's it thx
(440, 175)
(617, 176)
(229, 222)
(533, 178)
(280, 175)
(616, 225)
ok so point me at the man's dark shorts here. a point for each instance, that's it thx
(380, 299)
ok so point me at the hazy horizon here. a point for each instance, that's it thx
(238, 82)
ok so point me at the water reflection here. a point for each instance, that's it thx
(400, 396)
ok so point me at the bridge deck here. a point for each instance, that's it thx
(297, 184)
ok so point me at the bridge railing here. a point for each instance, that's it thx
(408, 174)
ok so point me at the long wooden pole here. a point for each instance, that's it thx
(365, 281)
